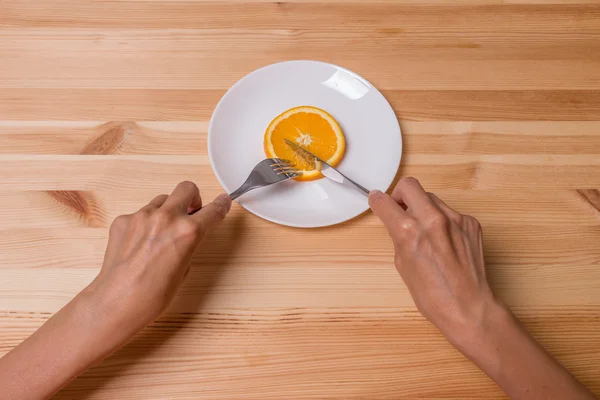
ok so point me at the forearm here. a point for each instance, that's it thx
(507, 353)
(66, 345)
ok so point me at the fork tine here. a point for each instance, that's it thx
(265, 173)
(284, 168)
(281, 162)
(282, 165)
(288, 172)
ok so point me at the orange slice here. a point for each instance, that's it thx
(310, 127)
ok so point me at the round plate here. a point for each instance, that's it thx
(373, 140)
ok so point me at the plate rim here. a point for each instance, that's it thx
(274, 220)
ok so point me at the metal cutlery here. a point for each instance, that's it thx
(265, 173)
(325, 168)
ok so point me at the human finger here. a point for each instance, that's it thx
(388, 211)
(213, 213)
(410, 192)
(446, 209)
(158, 200)
(185, 196)
(155, 203)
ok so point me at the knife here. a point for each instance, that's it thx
(326, 169)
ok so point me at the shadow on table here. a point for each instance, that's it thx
(208, 265)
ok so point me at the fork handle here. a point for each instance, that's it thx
(240, 191)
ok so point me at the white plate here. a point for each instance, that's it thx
(373, 140)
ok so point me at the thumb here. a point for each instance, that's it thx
(388, 211)
(213, 213)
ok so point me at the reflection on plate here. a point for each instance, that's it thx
(373, 140)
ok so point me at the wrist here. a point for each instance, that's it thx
(96, 313)
(95, 301)
(484, 341)
(477, 339)
(116, 309)
(502, 348)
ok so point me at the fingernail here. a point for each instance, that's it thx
(374, 192)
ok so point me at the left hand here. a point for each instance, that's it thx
(147, 258)
(149, 253)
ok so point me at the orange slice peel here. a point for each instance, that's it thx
(311, 128)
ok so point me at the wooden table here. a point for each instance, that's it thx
(104, 104)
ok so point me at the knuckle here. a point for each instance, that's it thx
(140, 215)
(119, 223)
(472, 222)
(436, 220)
(161, 198)
(406, 227)
(144, 212)
(458, 218)
(189, 228)
(162, 217)
(120, 220)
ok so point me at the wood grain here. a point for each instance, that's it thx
(189, 137)
(104, 104)
(197, 105)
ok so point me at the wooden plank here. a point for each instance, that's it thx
(112, 137)
(149, 72)
(413, 62)
(217, 44)
(291, 16)
(403, 2)
(368, 360)
(189, 137)
(467, 137)
(107, 104)
(505, 105)
(160, 173)
(197, 105)
(495, 172)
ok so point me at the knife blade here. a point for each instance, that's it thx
(325, 168)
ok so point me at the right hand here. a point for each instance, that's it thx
(439, 255)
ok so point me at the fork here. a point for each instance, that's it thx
(267, 172)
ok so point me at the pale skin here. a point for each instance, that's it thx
(439, 256)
